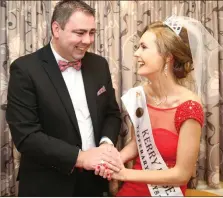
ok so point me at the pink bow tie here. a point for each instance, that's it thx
(63, 65)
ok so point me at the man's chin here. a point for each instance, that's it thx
(78, 57)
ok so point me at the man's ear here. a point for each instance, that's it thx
(56, 29)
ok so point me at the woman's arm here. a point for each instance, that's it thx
(187, 153)
(130, 151)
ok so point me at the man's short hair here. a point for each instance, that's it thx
(64, 9)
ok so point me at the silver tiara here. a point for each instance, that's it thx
(174, 24)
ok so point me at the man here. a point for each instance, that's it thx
(62, 111)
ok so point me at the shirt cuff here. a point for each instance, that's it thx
(107, 140)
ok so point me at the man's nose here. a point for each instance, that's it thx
(86, 39)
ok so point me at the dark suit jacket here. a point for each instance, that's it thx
(43, 123)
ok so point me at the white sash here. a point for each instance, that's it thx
(135, 103)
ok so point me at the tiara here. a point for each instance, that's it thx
(174, 24)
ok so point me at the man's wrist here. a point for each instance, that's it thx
(80, 159)
(106, 140)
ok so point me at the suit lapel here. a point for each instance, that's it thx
(51, 67)
(90, 89)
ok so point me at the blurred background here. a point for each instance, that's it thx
(25, 27)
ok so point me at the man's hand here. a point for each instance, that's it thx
(103, 155)
(104, 171)
(113, 153)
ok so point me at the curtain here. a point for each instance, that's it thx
(119, 24)
(25, 27)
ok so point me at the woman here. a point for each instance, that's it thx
(175, 112)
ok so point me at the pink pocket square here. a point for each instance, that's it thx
(100, 91)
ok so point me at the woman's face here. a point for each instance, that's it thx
(149, 59)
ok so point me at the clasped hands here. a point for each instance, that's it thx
(112, 167)
(105, 160)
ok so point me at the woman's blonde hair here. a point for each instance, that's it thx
(168, 42)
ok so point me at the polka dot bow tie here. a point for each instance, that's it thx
(63, 65)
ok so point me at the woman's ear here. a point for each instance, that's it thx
(169, 58)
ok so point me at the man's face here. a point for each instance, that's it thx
(77, 36)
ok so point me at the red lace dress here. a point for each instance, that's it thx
(166, 125)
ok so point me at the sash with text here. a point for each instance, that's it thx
(135, 104)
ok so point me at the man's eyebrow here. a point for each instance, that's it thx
(85, 30)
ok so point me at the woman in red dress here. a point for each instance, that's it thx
(176, 113)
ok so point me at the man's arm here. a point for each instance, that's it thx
(112, 123)
(26, 130)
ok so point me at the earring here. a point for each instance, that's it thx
(149, 82)
(165, 70)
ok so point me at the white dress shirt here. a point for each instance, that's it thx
(75, 86)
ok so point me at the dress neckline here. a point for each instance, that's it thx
(171, 108)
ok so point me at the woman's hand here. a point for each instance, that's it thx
(121, 175)
(105, 172)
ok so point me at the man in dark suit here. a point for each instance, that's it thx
(62, 111)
